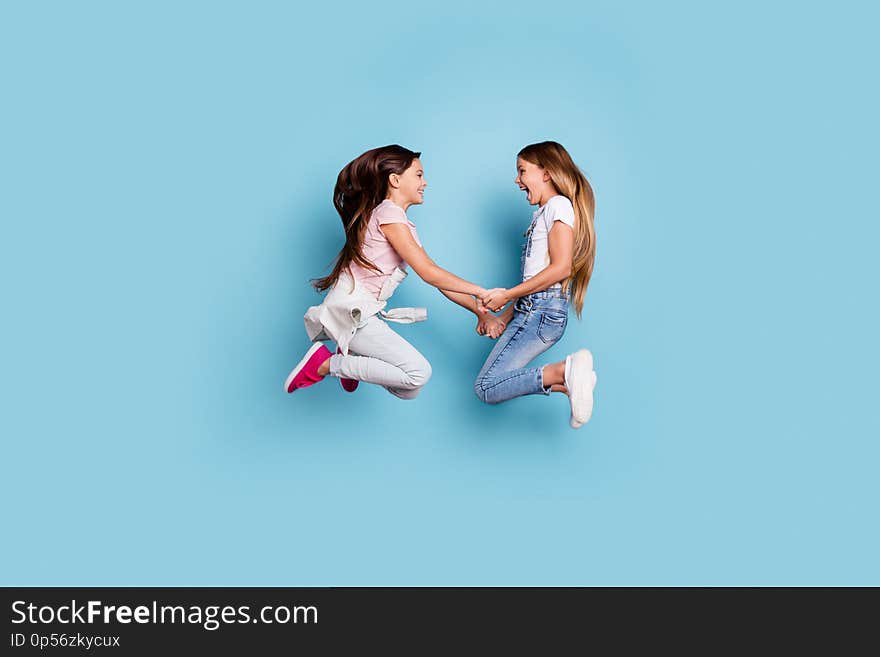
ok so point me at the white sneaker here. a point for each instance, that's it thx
(580, 379)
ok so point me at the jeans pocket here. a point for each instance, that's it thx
(552, 326)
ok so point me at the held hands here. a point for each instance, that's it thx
(491, 325)
(496, 298)
(491, 300)
(487, 323)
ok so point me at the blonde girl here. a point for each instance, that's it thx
(557, 262)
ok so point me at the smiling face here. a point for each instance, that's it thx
(408, 188)
(534, 181)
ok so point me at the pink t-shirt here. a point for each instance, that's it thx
(378, 250)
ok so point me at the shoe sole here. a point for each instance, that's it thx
(583, 361)
(296, 370)
(574, 423)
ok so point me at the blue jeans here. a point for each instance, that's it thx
(539, 321)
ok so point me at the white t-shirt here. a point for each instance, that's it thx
(536, 250)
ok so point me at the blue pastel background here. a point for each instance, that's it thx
(166, 176)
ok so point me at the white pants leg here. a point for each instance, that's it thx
(376, 354)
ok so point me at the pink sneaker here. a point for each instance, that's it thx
(349, 385)
(306, 372)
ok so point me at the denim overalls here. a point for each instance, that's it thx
(539, 321)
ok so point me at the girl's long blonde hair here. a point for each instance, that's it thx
(570, 181)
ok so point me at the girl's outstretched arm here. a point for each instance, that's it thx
(415, 256)
(466, 301)
(561, 246)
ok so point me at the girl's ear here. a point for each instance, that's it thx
(394, 180)
(546, 176)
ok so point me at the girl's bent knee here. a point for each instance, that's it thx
(414, 375)
(418, 375)
(483, 393)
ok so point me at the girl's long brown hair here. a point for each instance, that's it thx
(360, 187)
(573, 184)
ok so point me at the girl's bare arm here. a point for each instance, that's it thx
(415, 256)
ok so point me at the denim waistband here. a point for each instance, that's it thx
(553, 298)
(552, 293)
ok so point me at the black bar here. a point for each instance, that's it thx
(419, 620)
